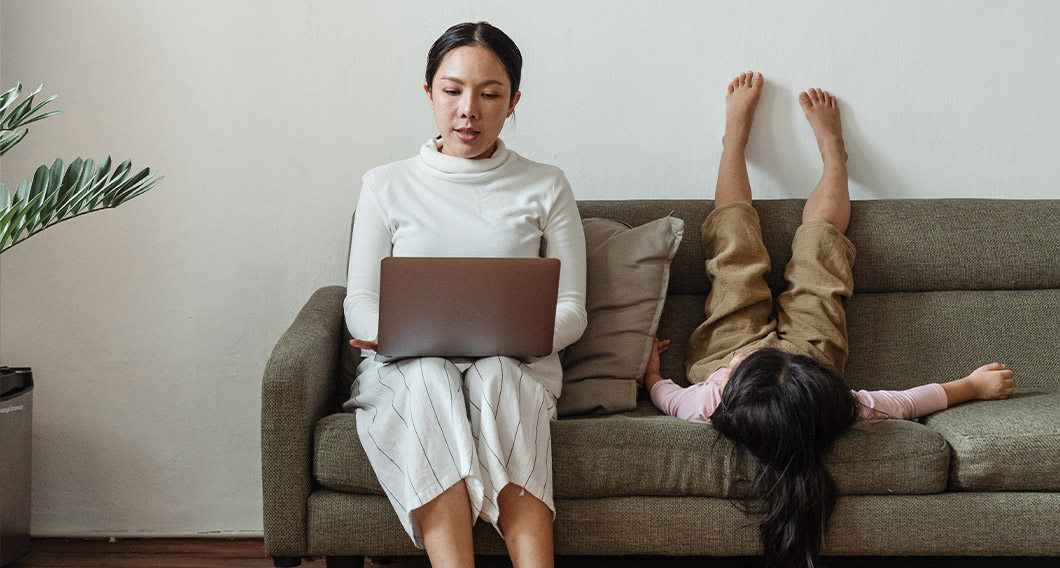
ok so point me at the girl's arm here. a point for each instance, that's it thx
(988, 382)
(651, 373)
(695, 403)
(900, 405)
(991, 381)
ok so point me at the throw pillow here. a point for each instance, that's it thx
(627, 273)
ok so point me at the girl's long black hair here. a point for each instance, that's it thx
(784, 411)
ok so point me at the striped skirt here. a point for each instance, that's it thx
(428, 423)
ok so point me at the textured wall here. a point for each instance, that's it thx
(148, 327)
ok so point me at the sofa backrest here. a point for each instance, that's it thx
(940, 286)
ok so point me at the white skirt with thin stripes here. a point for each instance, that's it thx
(427, 423)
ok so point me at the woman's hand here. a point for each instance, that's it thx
(651, 373)
(362, 344)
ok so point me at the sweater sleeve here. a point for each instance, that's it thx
(695, 403)
(369, 245)
(565, 240)
(903, 405)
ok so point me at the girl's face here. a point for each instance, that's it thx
(471, 98)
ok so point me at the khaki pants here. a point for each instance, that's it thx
(810, 319)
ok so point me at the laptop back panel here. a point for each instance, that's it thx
(467, 307)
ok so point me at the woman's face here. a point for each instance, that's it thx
(471, 98)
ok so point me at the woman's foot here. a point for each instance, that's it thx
(822, 111)
(740, 104)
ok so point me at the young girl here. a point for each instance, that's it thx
(772, 384)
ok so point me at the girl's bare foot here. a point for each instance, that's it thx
(740, 104)
(822, 110)
(830, 200)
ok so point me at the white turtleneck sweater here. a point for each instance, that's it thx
(439, 205)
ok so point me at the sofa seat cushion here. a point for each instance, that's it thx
(1009, 445)
(645, 453)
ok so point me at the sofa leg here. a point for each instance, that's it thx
(286, 561)
(344, 561)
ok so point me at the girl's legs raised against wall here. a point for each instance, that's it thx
(819, 274)
(740, 103)
(739, 306)
(830, 200)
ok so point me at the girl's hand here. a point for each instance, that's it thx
(991, 382)
(651, 373)
(361, 344)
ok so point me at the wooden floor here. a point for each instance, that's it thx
(147, 552)
(246, 553)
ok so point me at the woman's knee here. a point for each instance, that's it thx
(491, 370)
(425, 376)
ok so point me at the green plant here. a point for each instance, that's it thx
(55, 194)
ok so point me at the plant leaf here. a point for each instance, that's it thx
(20, 115)
(8, 140)
(115, 198)
(55, 194)
(37, 212)
(40, 181)
(23, 190)
(9, 96)
(41, 117)
(5, 216)
(41, 104)
(76, 175)
(17, 113)
(56, 175)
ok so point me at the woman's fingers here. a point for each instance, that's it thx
(361, 344)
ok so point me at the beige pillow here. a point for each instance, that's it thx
(627, 272)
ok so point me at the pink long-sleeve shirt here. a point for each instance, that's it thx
(697, 402)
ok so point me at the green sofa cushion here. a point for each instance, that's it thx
(645, 453)
(1004, 445)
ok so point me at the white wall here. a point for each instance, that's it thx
(148, 327)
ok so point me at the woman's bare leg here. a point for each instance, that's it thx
(446, 525)
(527, 526)
(830, 200)
(740, 103)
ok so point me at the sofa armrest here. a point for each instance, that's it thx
(297, 390)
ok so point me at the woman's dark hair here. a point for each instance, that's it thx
(784, 411)
(477, 34)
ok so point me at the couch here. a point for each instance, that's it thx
(941, 287)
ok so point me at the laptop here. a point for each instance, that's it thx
(467, 307)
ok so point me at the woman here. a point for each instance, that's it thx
(454, 440)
